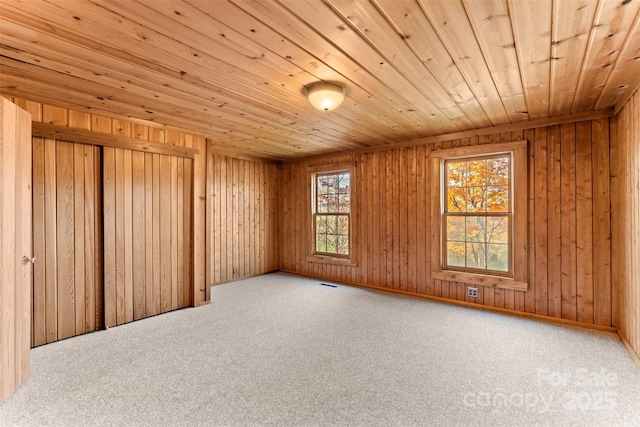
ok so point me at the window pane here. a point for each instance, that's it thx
(456, 199)
(476, 173)
(476, 201)
(456, 254)
(498, 199)
(498, 257)
(321, 185)
(342, 224)
(331, 201)
(498, 171)
(497, 229)
(476, 253)
(344, 184)
(332, 243)
(455, 228)
(321, 224)
(323, 203)
(342, 245)
(456, 172)
(475, 229)
(344, 203)
(321, 243)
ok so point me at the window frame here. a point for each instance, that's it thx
(446, 214)
(518, 279)
(323, 257)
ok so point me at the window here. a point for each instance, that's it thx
(332, 213)
(477, 217)
(479, 205)
(332, 224)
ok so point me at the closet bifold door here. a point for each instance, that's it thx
(67, 277)
(147, 205)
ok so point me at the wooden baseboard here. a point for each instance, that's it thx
(471, 305)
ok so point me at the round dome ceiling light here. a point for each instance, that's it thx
(325, 96)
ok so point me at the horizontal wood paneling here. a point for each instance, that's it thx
(568, 223)
(242, 218)
(625, 210)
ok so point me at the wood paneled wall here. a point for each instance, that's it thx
(625, 207)
(242, 217)
(568, 223)
(147, 234)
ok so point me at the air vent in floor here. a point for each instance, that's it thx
(328, 285)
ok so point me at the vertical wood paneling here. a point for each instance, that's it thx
(119, 220)
(584, 223)
(151, 250)
(65, 241)
(197, 197)
(109, 237)
(149, 301)
(243, 199)
(94, 202)
(602, 222)
(554, 236)
(625, 220)
(38, 315)
(568, 221)
(157, 262)
(540, 221)
(66, 294)
(128, 236)
(79, 238)
(530, 297)
(567, 260)
(138, 241)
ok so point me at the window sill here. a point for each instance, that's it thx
(481, 280)
(326, 259)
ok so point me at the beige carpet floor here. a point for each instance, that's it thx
(287, 351)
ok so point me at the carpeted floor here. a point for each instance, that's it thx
(287, 351)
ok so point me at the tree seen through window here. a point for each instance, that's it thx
(477, 217)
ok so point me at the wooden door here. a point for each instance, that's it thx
(148, 229)
(15, 244)
(67, 285)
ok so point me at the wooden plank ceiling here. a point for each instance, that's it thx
(235, 70)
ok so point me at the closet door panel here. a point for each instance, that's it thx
(147, 233)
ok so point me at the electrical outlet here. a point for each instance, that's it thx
(235, 270)
(472, 292)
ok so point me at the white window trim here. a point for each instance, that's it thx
(312, 256)
(518, 151)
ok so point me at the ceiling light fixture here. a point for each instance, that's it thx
(325, 96)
